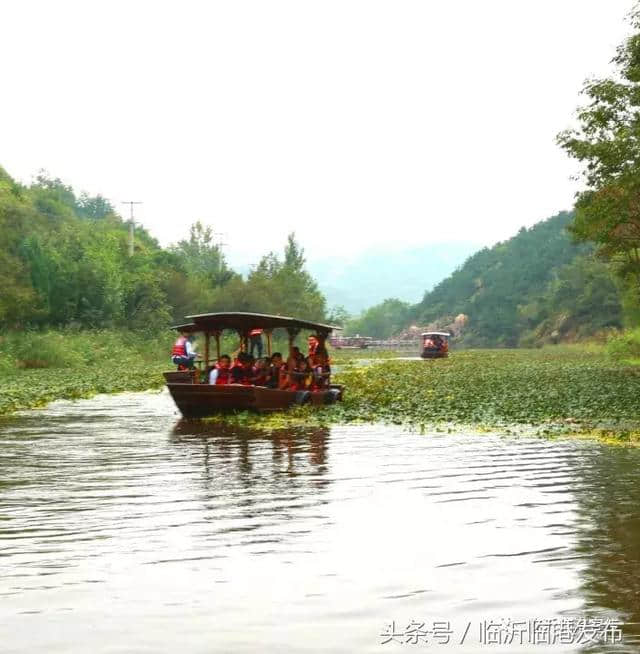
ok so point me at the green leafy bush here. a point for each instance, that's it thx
(625, 345)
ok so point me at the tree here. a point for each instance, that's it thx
(607, 143)
(202, 257)
(338, 316)
(382, 320)
(285, 287)
(94, 207)
(294, 255)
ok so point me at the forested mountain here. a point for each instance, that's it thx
(65, 261)
(537, 286)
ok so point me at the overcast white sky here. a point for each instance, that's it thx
(354, 123)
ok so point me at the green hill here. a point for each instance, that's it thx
(536, 287)
(66, 262)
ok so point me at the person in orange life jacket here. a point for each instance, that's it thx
(260, 373)
(300, 376)
(241, 371)
(220, 373)
(294, 357)
(255, 338)
(183, 355)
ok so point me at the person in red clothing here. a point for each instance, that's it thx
(261, 373)
(221, 373)
(183, 354)
(242, 370)
(313, 343)
(299, 376)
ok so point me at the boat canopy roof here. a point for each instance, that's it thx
(242, 321)
(446, 334)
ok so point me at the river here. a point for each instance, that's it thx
(123, 529)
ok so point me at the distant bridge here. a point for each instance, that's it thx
(365, 342)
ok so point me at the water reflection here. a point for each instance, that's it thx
(286, 443)
(125, 529)
(267, 476)
(607, 528)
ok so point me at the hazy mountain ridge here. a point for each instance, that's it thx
(376, 274)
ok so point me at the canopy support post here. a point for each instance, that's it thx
(293, 332)
(244, 339)
(217, 337)
(269, 333)
(322, 340)
(207, 339)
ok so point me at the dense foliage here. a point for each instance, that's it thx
(37, 367)
(64, 261)
(607, 143)
(493, 283)
(382, 320)
(547, 391)
(496, 388)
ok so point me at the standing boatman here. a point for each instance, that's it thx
(255, 338)
(183, 354)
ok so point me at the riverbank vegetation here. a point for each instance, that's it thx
(38, 367)
(65, 261)
(85, 310)
(549, 391)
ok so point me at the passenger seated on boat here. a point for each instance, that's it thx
(221, 373)
(321, 372)
(260, 372)
(430, 344)
(299, 376)
(276, 374)
(183, 354)
(241, 371)
(294, 356)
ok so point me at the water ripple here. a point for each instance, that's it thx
(119, 522)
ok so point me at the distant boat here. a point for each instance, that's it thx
(198, 400)
(435, 345)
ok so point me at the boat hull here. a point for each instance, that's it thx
(204, 400)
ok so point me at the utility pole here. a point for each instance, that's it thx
(131, 225)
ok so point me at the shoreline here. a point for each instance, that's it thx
(539, 393)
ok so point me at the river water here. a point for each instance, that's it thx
(123, 529)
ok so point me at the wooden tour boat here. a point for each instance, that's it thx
(198, 400)
(435, 345)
